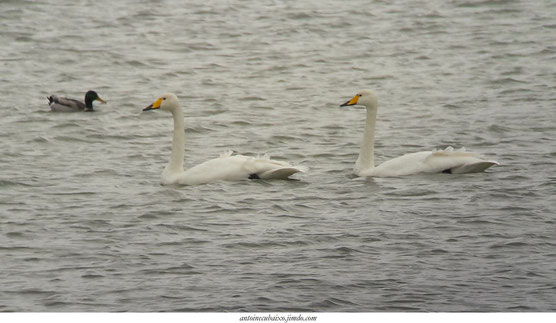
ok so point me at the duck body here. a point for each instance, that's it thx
(61, 104)
(226, 167)
(448, 160)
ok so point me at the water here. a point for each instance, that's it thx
(86, 226)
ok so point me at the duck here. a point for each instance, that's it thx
(60, 104)
(226, 167)
(449, 160)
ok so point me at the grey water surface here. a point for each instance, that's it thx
(86, 226)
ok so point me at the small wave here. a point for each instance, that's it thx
(499, 128)
(240, 123)
(181, 227)
(91, 276)
(507, 81)
(148, 216)
(511, 245)
(486, 3)
(31, 291)
(136, 63)
(413, 192)
(73, 139)
(67, 125)
(251, 98)
(7, 183)
(15, 234)
(254, 245)
(108, 137)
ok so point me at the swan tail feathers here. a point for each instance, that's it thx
(473, 167)
(265, 161)
(226, 153)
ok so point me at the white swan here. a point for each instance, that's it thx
(445, 161)
(226, 167)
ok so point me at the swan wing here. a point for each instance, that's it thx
(475, 167)
(280, 173)
(266, 168)
(457, 161)
(229, 167)
(447, 160)
(224, 168)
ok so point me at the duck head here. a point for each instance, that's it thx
(91, 96)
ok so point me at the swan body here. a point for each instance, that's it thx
(226, 167)
(448, 160)
(443, 161)
(61, 104)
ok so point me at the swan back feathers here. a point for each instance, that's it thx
(451, 152)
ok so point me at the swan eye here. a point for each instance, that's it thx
(360, 94)
(163, 98)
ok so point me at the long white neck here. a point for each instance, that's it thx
(366, 155)
(178, 143)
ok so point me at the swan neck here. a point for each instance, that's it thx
(366, 155)
(178, 143)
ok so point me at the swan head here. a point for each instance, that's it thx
(364, 97)
(167, 102)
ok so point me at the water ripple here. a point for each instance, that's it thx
(86, 226)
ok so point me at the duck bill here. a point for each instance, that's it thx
(154, 106)
(353, 101)
(101, 100)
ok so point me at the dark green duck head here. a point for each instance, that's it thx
(91, 96)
